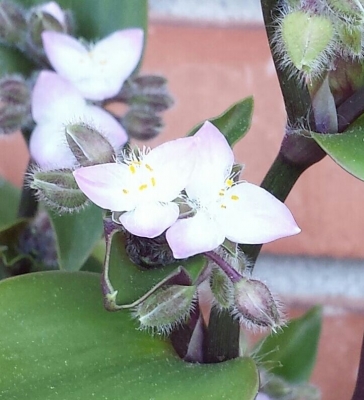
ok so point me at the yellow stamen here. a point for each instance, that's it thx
(148, 167)
(132, 169)
(221, 193)
(125, 191)
(234, 197)
(229, 182)
(153, 181)
(143, 187)
(223, 206)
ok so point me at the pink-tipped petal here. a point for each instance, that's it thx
(68, 56)
(48, 147)
(255, 216)
(106, 124)
(214, 162)
(106, 185)
(150, 219)
(194, 235)
(53, 97)
(172, 164)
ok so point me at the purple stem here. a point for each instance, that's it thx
(232, 273)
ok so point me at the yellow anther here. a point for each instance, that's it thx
(221, 193)
(229, 182)
(148, 167)
(143, 187)
(125, 191)
(132, 168)
(153, 181)
(234, 197)
(223, 206)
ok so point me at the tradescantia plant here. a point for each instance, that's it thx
(156, 234)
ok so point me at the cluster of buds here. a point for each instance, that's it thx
(86, 78)
(312, 35)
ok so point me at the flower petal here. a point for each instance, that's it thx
(48, 147)
(105, 185)
(213, 165)
(100, 72)
(54, 98)
(150, 219)
(172, 164)
(106, 124)
(194, 235)
(255, 216)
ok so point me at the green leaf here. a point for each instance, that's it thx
(9, 243)
(96, 19)
(291, 353)
(233, 123)
(57, 342)
(132, 282)
(76, 235)
(13, 61)
(9, 200)
(347, 148)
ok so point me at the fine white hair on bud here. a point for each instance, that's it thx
(166, 308)
(58, 190)
(256, 307)
(304, 42)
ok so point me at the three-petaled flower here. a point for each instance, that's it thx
(239, 211)
(55, 103)
(143, 186)
(98, 71)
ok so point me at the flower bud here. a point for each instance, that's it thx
(88, 145)
(307, 40)
(351, 40)
(255, 306)
(142, 124)
(14, 103)
(166, 308)
(59, 190)
(12, 24)
(222, 288)
(348, 9)
(148, 253)
(38, 241)
(148, 92)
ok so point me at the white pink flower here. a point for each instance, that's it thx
(56, 103)
(98, 71)
(143, 187)
(241, 212)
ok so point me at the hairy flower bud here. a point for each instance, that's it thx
(148, 253)
(142, 124)
(148, 91)
(12, 23)
(166, 308)
(255, 306)
(59, 190)
(350, 40)
(306, 39)
(88, 145)
(14, 103)
(348, 9)
(222, 288)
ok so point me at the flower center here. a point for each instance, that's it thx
(224, 196)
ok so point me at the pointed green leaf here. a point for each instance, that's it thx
(9, 200)
(233, 123)
(76, 235)
(347, 148)
(132, 282)
(291, 353)
(57, 342)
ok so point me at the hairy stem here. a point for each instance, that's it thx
(28, 205)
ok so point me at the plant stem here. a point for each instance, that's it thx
(359, 387)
